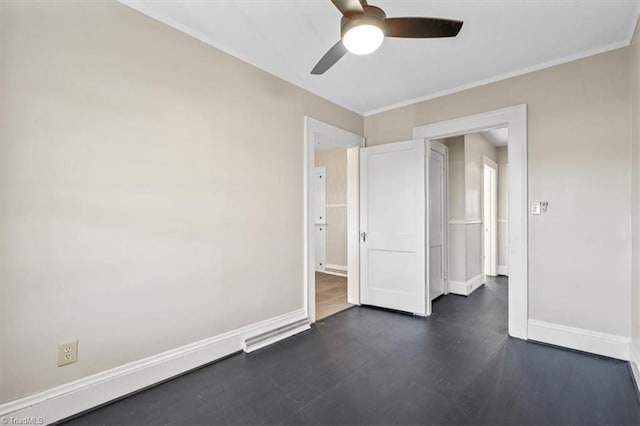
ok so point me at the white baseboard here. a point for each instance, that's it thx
(74, 397)
(458, 287)
(466, 288)
(503, 270)
(581, 339)
(341, 268)
(336, 274)
(634, 358)
(337, 270)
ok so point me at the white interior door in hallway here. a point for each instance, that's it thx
(392, 225)
(437, 154)
(490, 217)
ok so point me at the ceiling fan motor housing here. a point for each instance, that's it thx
(363, 29)
(372, 16)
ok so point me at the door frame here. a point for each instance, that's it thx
(515, 118)
(445, 213)
(490, 260)
(323, 171)
(319, 133)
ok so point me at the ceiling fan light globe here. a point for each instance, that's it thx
(363, 39)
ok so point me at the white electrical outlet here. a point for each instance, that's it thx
(67, 353)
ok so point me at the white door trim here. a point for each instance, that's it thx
(444, 150)
(320, 218)
(490, 259)
(318, 132)
(489, 162)
(515, 118)
(353, 225)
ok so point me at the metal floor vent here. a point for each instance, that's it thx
(265, 339)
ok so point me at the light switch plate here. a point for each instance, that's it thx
(536, 207)
(539, 207)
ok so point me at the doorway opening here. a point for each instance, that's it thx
(331, 272)
(474, 217)
(486, 233)
(330, 230)
(466, 208)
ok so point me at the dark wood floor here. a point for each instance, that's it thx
(366, 366)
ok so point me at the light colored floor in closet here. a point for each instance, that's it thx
(331, 295)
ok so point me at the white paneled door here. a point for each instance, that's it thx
(438, 221)
(392, 225)
(490, 219)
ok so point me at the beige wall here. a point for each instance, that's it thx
(579, 250)
(503, 237)
(635, 187)
(456, 165)
(335, 162)
(151, 190)
(457, 214)
(476, 147)
(137, 165)
(466, 185)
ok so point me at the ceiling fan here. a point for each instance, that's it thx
(363, 28)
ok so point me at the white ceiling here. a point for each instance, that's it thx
(500, 38)
(498, 137)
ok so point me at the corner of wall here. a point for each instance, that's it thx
(634, 64)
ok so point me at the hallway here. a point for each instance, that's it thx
(370, 366)
(331, 295)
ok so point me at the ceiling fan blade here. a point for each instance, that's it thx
(330, 58)
(421, 27)
(349, 7)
